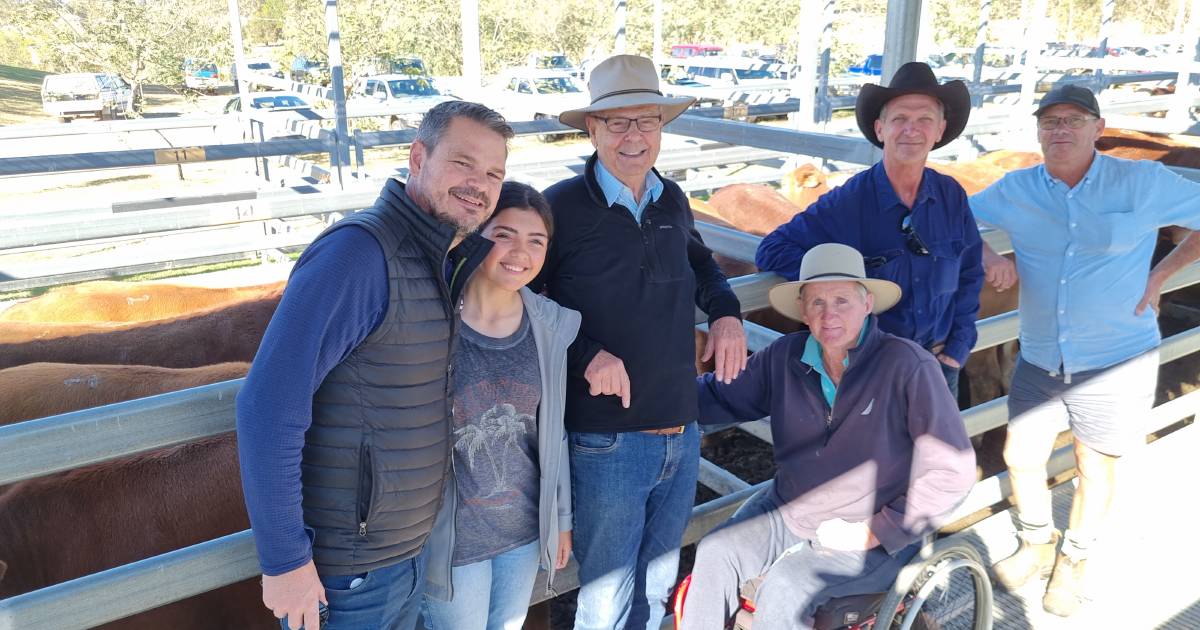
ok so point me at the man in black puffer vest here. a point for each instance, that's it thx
(343, 422)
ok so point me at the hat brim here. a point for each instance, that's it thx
(955, 98)
(785, 297)
(672, 106)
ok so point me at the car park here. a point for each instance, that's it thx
(872, 66)
(391, 64)
(310, 70)
(264, 67)
(201, 75)
(101, 95)
(553, 61)
(529, 94)
(274, 115)
(402, 98)
(683, 51)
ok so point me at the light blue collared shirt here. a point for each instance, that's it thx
(617, 193)
(812, 357)
(1083, 256)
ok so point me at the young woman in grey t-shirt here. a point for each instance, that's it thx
(510, 510)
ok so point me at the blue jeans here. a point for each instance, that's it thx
(388, 598)
(632, 495)
(504, 583)
(951, 375)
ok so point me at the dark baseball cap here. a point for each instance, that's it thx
(1069, 94)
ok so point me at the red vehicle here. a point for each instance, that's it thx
(683, 51)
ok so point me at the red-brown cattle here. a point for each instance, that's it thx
(753, 208)
(1136, 145)
(105, 301)
(38, 390)
(217, 335)
(71, 524)
(731, 267)
(804, 185)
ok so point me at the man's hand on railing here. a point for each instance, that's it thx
(1001, 272)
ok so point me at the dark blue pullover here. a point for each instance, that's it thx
(337, 295)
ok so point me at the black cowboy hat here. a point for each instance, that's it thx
(914, 77)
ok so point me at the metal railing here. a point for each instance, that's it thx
(45, 446)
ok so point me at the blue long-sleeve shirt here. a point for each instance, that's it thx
(940, 296)
(1083, 255)
(336, 296)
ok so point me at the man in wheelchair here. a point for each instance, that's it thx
(871, 454)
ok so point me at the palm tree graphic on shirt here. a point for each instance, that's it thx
(500, 427)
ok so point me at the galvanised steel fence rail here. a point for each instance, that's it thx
(49, 445)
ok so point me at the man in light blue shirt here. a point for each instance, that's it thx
(1084, 227)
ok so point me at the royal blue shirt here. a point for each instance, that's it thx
(940, 291)
(336, 297)
(1083, 255)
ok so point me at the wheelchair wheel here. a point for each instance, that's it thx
(948, 577)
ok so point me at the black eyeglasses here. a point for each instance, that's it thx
(1050, 123)
(911, 239)
(645, 124)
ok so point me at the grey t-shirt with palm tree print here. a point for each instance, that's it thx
(497, 389)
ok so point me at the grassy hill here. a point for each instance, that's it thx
(21, 95)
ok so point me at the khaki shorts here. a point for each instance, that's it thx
(1106, 409)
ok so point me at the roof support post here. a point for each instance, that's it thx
(900, 36)
(472, 69)
(340, 152)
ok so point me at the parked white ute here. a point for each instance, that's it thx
(402, 98)
(527, 94)
(100, 95)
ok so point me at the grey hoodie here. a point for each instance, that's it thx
(554, 328)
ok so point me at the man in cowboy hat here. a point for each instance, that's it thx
(626, 255)
(871, 453)
(911, 223)
(1084, 227)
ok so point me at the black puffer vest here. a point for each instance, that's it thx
(377, 453)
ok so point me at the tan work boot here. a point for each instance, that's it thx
(1029, 561)
(1064, 594)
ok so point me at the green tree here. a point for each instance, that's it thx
(141, 41)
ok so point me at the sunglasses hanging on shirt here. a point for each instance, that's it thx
(911, 239)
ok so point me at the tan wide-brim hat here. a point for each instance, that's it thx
(625, 81)
(832, 262)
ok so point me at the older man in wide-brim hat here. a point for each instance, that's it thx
(911, 223)
(871, 454)
(627, 256)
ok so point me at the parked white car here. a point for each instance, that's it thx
(101, 95)
(276, 115)
(552, 61)
(402, 98)
(528, 94)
